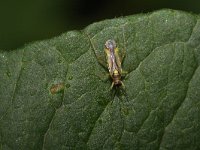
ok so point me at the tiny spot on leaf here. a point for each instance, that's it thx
(56, 88)
(8, 73)
(125, 111)
(70, 77)
(67, 85)
(59, 61)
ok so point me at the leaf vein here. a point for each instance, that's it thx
(164, 130)
(96, 122)
(15, 85)
(192, 31)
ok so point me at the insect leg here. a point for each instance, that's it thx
(124, 73)
(122, 84)
(111, 85)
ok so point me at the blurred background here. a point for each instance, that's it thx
(24, 21)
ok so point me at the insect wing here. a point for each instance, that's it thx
(109, 61)
(118, 60)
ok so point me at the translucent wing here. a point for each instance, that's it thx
(101, 59)
(118, 60)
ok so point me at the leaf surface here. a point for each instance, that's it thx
(53, 97)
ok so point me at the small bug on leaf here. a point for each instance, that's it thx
(114, 62)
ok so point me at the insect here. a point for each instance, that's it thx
(114, 63)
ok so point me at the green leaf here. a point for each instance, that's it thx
(52, 95)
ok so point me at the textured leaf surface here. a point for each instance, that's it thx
(52, 95)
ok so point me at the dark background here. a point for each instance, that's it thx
(23, 21)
